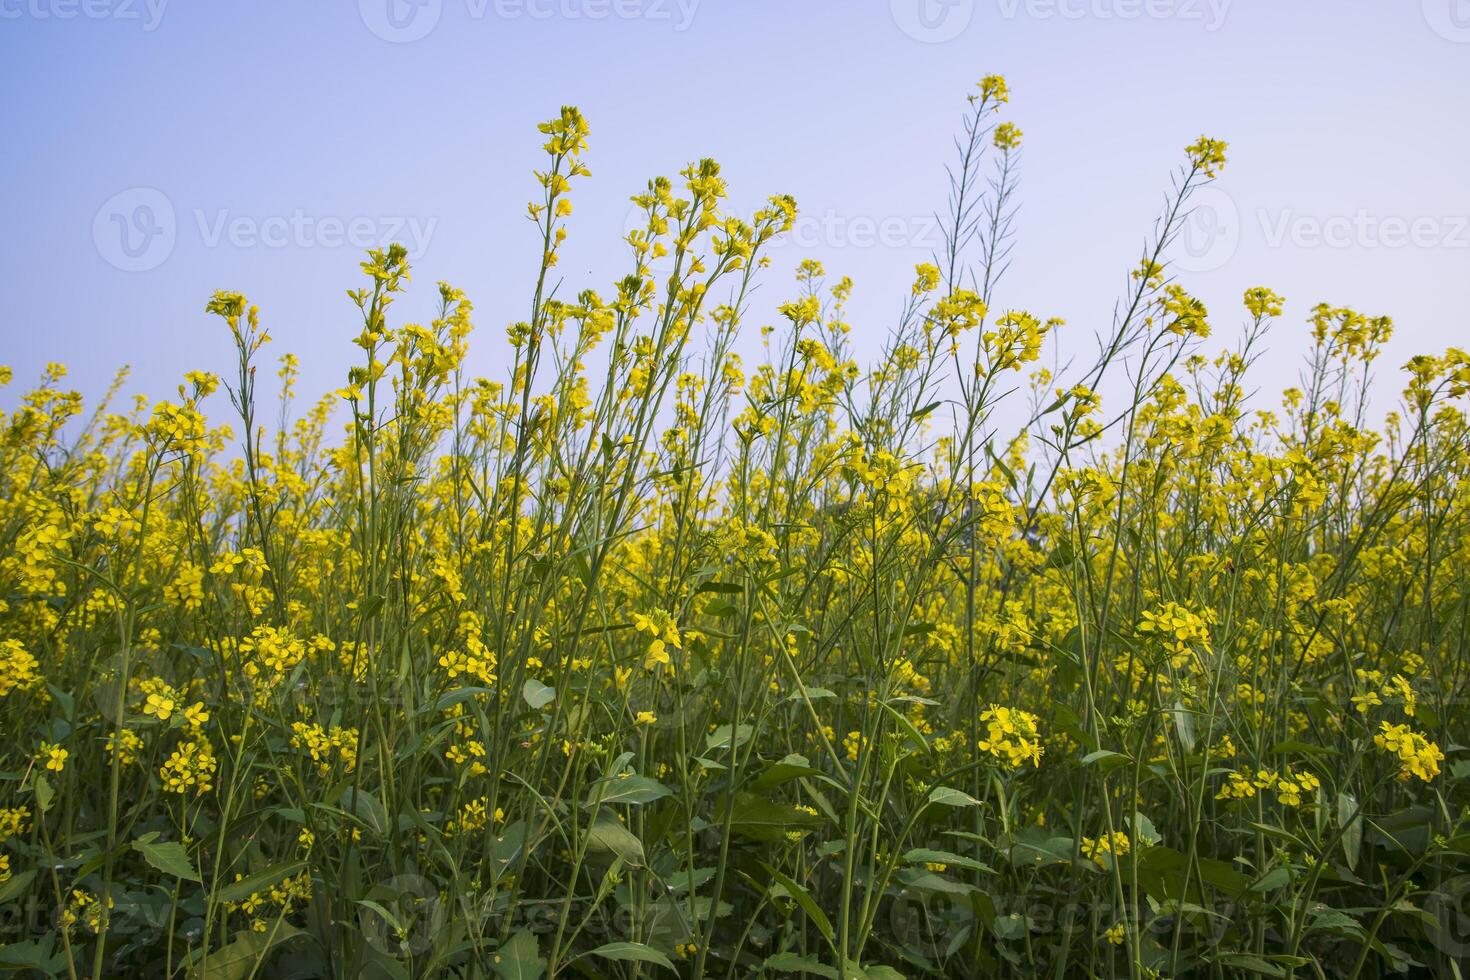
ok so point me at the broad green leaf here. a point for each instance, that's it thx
(929, 881)
(924, 855)
(1350, 819)
(881, 972)
(365, 807)
(789, 768)
(627, 789)
(683, 881)
(240, 890)
(519, 959)
(632, 953)
(1184, 726)
(948, 796)
(1272, 880)
(759, 818)
(537, 694)
(45, 795)
(168, 857)
(725, 737)
(609, 837)
(792, 963)
(805, 900)
(1106, 760)
(242, 957)
(1245, 963)
(15, 885)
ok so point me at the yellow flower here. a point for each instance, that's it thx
(1237, 787)
(191, 766)
(659, 626)
(645, 718)
(1418, 757)
(926, 278)
(53, 757)
(18, 668)
(1103, 849)
(159, 706)
(1207, 155)
(1011, 736)
(125, 745)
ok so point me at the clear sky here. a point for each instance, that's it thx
(156, 150)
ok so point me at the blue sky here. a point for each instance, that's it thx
(156, 150)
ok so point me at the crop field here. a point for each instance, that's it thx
(1024, 650)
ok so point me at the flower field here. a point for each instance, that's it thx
(1024, 650)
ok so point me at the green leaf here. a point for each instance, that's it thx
(683, 881)
(1335, 921)
(810, 694)
(722, 588)
(789, 768)
(365, 807)
(240, 890)
(758, 818)
(929, 881)
(791, 963)
(924, 855)
(168, 857)
(381, 912)
(45, 795)
(881, 972)
(607, 836)
(241, 958)
(1144, 831)
(1106, 759)
(725, 737)
(1038, 847)
(34, 955)
(1163, 871)
(1251, 964)
(948, 796)
(537, 694)
(1272, 880)
(631, 953)
(15, 885)
(627, 789)
(459, 695)
(519, 959)
(921, 413)
(1350, 819)
(1184, 726)
(803, 898)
